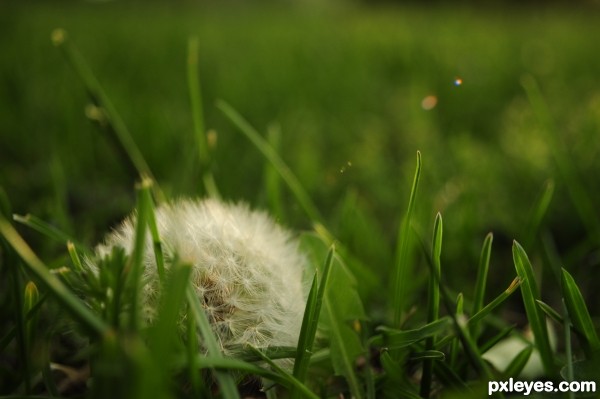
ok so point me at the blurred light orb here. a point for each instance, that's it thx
(429, 103)
(458, 81)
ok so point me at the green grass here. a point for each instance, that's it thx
(317, 117)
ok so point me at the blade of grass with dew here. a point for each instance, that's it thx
(400, 274)
(49, 230)
(98, 96)
(575, 185)
(225, 380)
(517, 365)
(51, 282)
(433, 305)
(578, 312)
(530, 293)
(481, 282)
(539, 211)
(196, 104)
(310, 321)
(268, 152)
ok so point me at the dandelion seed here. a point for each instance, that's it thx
(247, 270)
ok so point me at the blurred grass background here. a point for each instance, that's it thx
(346, 87)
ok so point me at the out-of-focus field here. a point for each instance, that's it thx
(355, 93)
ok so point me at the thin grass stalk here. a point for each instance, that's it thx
(268, 152)
(433, 303)
(402, 265)
(49, 230)
(73, 304)
(568, 348)
(196, 104)
(225, 380)
(481, 282)
(98, 96)
(156, 240)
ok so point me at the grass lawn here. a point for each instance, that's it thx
(315, 115)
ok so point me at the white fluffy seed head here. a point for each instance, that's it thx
(247, 270)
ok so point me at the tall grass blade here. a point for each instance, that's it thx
(402, 266)
(550, 312)
(225, 380)
(578, 312)
(576, 186)
(51, 282)
(530, 293)
(156, 240)
(570, 373)
(398, 339)
(195, 92)
(481, 282)
(271, 155)
(311, 321)
(433, 303)
(99, 98)
(135, 266)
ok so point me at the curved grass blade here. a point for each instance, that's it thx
(96, 93)
(271, 155)
(49, 231)
(402, 265)
(578, 312)
(51, 282)
(311, 321)
(487, 309)
(481, 282)
(530, 293)
(550, 312)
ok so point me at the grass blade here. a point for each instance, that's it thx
(530, 293)
(487, 309)
(119, 130)
(401, 274)
(271, 155)
(481, 282)
(550, 312)
(433, 303)
(48, 230)
(518, 363)
(311, 321)
(226, 381)
(397, 339)
(578, 312)
(51, 282)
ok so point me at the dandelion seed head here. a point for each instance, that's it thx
(247, 270)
